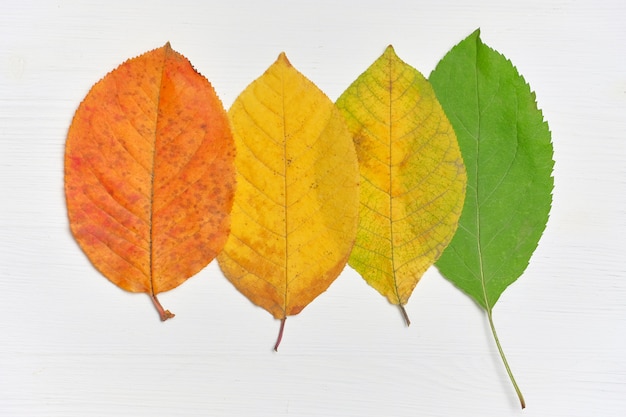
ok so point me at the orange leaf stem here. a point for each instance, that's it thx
(163, 313)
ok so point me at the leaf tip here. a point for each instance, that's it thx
(475, 37)
(389, 51)
(168, 48)
(282, 57)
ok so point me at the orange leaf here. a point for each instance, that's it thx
(149, 173)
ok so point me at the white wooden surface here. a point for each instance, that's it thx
(73, 344)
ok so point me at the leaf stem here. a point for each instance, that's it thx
(506, 364)
(404, 315)
(163, 313)
(280, 333)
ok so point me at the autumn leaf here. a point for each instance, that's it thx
(412, 176)
(508, 153)
(149, 174)
(294, 216)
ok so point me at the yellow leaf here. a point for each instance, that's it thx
(295, 211)
(412, 176)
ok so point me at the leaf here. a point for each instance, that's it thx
(507, 149)
(294, 217)
(412, 176)
(149, 174)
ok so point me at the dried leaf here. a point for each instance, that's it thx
(412, 176)
(294, 217)
(507, 149)
(149, 173)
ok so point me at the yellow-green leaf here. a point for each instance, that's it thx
(295, 211)
(412, 176)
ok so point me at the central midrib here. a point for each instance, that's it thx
(391, 231)
(154, 157)
(477, 183)
(286, 165)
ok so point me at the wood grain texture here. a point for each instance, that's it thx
(74, 345)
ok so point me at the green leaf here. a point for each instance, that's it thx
(507, 151)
